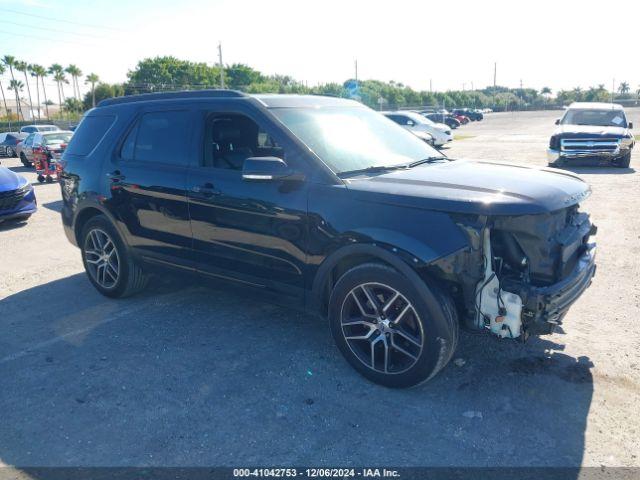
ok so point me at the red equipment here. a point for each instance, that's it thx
(46, 162)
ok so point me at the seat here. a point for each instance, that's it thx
(229, 151)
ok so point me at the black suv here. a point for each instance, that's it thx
(324, 204)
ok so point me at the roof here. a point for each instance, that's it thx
(275, 100)
(268, 100)
(596, 106)
(146, 97)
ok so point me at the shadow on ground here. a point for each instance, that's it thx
(185, 375)
(595, 170)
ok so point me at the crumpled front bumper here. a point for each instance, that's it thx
(561, 156)
(544, 307)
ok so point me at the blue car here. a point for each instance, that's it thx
(17, 198)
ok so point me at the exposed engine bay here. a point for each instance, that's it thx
(522, 273)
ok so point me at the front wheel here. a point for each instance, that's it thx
(624, 161)
(108, 262)
(394, 331)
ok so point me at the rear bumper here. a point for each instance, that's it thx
(544, 307)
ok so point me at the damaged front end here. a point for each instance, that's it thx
(521, 273)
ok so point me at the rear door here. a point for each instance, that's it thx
(148, 185)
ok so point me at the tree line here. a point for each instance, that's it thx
(169, 73)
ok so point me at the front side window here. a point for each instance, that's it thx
(353, 138)
(232, 138)
(159, 137)
(595, 117)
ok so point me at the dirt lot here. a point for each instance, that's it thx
(185, 375)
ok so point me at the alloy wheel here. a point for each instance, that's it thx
(101, 257)
(382, 328)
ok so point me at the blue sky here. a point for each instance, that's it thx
(561, 44)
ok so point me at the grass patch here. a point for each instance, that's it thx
(462, 137)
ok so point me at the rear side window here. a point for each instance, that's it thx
(159, 137)
(89, 133)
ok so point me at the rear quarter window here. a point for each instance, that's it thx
(91, 130)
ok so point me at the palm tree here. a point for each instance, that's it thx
(24, 68)
(75, 72)
(57, 72)
(92, 78)
(10, 62)
(545, 91)
(624, 87)
(33, 73)
(17, 86)
(4, 99)
(40, 72)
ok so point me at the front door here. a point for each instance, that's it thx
(148, 185)
(249, 232)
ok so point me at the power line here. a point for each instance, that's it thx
(48, 39)
(54, 30)
(58, 19)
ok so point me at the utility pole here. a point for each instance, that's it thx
(431, 85)
(356, 65)
(495, 71)
(472, 89)
(221, 66)
(613, 89)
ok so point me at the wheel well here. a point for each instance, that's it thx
(83, 218)
(340, 268)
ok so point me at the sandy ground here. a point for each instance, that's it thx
(185, 375)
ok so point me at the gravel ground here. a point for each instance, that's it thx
(185, 375)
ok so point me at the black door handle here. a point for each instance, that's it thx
(206, 189)
(115, 176)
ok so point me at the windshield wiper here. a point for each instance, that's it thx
(426, 160)
(400, 166)
(373, 169)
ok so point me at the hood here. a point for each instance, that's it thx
(442, 127)
(10, 181)
(589, 131)
(475, 187)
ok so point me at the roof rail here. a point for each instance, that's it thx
(212, 93)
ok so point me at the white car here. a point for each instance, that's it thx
(416, 123)
(39, 128)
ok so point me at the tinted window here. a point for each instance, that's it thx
(28, 129)
(91, 130)
(162, 137)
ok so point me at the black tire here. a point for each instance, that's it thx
(41, 178)
(10, 152)
(131, 278)
(434, 318)
(624, 161)
(24, 160)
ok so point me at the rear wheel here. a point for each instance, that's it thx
(108, 262)
(394, 331)
(10, 152)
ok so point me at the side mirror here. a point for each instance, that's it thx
(557, 121)
(268, 169)
(630, 125)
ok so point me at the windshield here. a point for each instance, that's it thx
(62, 137)
(595, 117)
(354, 138)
